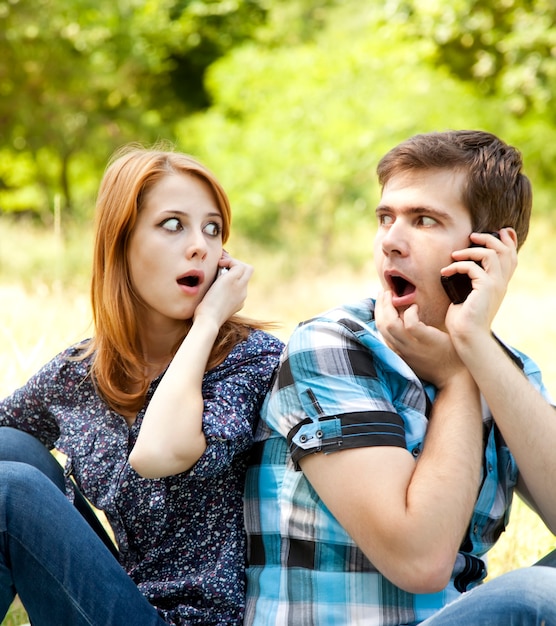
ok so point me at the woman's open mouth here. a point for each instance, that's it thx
(191, 280)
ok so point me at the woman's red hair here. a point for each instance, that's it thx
(118, 366)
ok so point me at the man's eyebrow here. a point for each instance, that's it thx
(418, 210)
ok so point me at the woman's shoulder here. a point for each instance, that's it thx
(263, 338)
(261, 342)
(79, 350)
(259, 346)
(73, 359)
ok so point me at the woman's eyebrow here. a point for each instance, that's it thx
(171, 211)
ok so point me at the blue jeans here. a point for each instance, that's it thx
(62, 568)
(523, 597)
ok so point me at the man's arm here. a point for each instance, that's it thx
(409, 517)
(525, 419)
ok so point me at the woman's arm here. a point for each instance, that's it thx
(171, 438)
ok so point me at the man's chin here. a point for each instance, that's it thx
(428, 317)
(434, 321)
(401, 310)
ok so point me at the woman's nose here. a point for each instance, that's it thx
(196, 246)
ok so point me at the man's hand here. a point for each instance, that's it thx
(472, 320)
(428, 351)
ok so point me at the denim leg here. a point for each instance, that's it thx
(61, 570)
(523, 597)
(16, 445)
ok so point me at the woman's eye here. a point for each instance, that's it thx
(172, 224)
(213, 229)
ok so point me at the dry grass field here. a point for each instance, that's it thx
(39, 320)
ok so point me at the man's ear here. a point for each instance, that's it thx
(512, 233)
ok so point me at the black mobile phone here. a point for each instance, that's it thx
(458, 286)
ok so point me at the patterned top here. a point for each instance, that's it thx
(181, 538)
(339, 386)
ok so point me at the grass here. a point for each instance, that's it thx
(41, 315)
(16, 615)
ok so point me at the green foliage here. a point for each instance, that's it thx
(295, 132)
(291, 103)
(80, 77)
(508, 48)
(507, 51)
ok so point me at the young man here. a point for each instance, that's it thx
(398, 428)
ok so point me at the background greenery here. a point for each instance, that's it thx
(291, 103)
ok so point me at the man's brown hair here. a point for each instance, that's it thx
(496, 191)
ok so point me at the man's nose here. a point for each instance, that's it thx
(395, 239)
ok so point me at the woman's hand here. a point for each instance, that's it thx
(226, 296)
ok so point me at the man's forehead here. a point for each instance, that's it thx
(421, 191)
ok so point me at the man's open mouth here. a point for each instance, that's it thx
(401, 286)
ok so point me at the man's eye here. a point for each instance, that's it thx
(213, 229)
(427, 221)
(385, 220)
(172, 224)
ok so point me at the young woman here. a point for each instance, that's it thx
(155, 415)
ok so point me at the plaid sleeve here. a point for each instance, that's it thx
(331, 393)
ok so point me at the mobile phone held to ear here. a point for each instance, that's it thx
(458, 286)
(220, 272)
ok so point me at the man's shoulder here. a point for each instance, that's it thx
(353, 318)
(360, 310)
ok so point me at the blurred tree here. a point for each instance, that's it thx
(79, 77)
(292, 102)
(300, 119)
(507, 50)
(296, 131)
(507, 47)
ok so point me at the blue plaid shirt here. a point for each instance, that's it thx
(339, 387)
